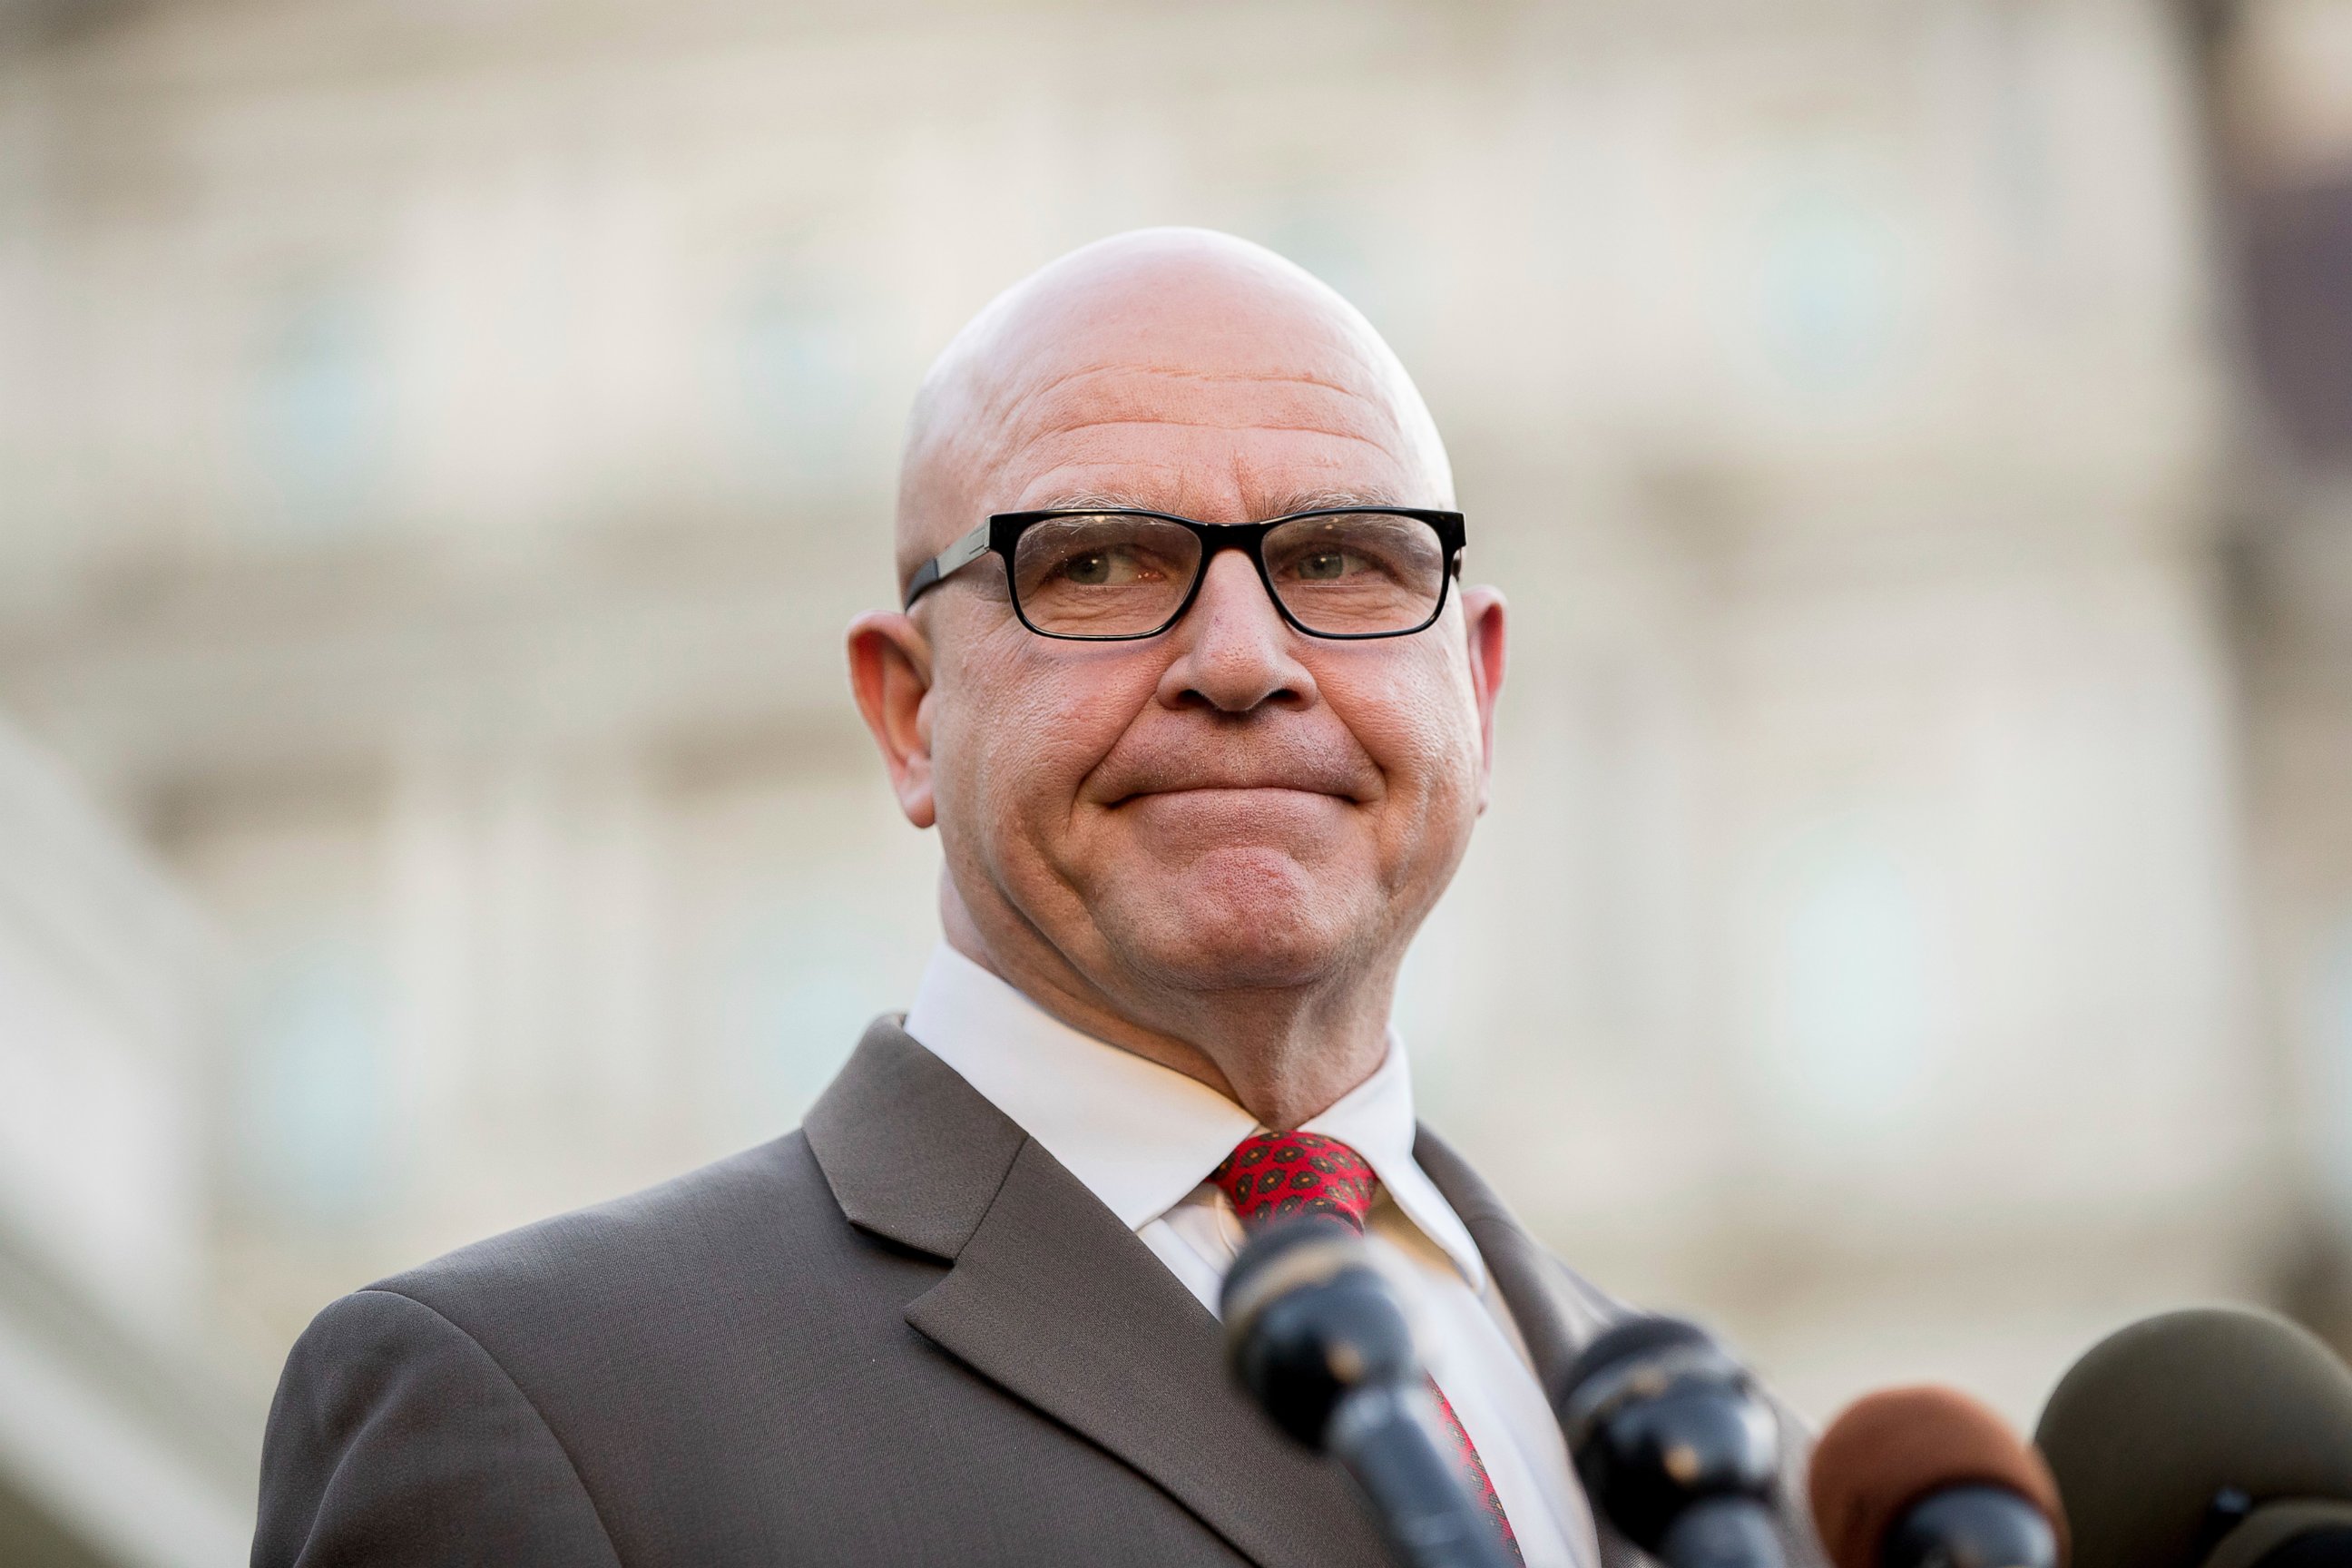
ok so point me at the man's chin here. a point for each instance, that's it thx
(1259, 935)
(1204, 969)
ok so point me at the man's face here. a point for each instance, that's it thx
(1233, 804)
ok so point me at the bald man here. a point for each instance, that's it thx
(1185, 677)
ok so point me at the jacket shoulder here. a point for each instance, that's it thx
(392, 1429)
(690, 1227)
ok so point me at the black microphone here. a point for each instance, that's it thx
(1928, 1478)
(1674, 1444)
(2217, 1437)
(1319, 1340)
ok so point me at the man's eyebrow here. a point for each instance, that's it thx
(1108, 501)
(1326, 501)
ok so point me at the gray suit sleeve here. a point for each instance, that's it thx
(396, 1439)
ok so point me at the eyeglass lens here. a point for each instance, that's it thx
(1106, 575)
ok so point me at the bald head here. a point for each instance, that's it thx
(1219, 350)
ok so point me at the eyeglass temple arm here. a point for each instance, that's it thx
(954, 558)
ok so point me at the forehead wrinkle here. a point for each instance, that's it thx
(1029, 429)
(1182, 373)
(1215, 425)
(1040, 408)
(1039, 420)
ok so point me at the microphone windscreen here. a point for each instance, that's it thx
(1893, 1449)
(1632, 1336)
(2161, 1419)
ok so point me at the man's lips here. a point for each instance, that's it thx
(1201, 818)
(1222, 788)
(1176, 762)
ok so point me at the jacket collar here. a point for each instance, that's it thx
(913, 1153)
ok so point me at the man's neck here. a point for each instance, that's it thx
(1283, 1055)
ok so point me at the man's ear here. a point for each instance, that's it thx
(1482, 617)
(891, 672)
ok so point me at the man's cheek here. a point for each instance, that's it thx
(1031, 790)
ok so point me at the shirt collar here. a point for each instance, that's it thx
(1141, 1136)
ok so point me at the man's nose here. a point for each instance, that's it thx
(1233, 651)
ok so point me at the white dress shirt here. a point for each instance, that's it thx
(1143, 1139)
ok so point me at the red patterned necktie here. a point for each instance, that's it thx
(1273, 1175)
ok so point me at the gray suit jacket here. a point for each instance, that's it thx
(903, 1334)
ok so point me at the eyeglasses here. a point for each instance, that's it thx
(1097, 575)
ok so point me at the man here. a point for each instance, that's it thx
(1189, 685)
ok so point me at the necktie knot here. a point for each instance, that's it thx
(1271, 1176)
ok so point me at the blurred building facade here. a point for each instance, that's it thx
(440, 447)
(119, 1440)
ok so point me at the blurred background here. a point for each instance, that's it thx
(442, 441)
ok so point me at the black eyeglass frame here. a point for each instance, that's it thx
(1001, 533)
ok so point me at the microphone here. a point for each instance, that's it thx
(1928, 1478)
(1674, 1444)
(2217, 1437)
(1319, 1340)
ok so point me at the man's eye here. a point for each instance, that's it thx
(1323, 565)
(1101, 568)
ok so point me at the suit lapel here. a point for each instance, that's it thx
(1051, 1298)
(1557, 1313)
